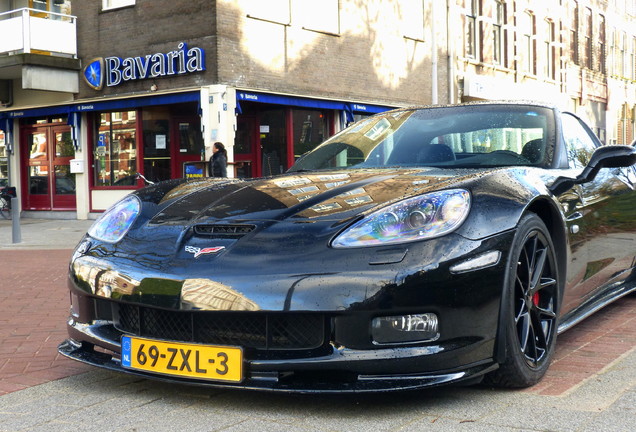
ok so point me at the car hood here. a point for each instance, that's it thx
(334, 195)
(174, 252)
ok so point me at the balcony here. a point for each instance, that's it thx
(40, 49)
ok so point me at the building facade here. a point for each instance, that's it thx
(146, 87)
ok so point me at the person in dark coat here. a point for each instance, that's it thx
(218, 161)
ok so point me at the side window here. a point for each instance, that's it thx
(579, 144)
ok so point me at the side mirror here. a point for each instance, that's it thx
(614, 156)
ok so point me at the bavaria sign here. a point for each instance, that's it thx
(113, 71)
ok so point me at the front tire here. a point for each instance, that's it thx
(529, 307)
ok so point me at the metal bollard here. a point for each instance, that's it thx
(15, 221)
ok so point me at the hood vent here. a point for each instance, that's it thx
(233, 231)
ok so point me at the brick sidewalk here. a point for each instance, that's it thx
(34, 306)
(590, 346)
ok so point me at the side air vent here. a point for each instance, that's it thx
(223, 231)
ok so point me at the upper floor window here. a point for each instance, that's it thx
(320, 15)
(601, 44)
(574, 31)
(412, 12)
(551, 45)
(276, 11)
(471, 32)
(633, 60)
(114, 4)
(41, 8)
(622, 53)
(529, 42)
(588, 38)
(497, 33)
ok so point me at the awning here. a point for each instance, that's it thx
(348, 107)
(107, 105)
(131, 103)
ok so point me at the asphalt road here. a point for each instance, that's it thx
(591, 385)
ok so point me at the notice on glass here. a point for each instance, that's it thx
(160, 142)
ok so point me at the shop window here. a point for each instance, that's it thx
(4, 166)
(115, 149)
(310, 129)
(45, 120)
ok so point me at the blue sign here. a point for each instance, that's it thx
(113, 71)
(194, 171)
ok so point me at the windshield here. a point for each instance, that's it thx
(461, 136)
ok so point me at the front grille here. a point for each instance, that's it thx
(223, 230)
(258, 330)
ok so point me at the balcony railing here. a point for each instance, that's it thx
(34, 31)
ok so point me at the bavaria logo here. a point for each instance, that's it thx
(94, 73)
(113, 71)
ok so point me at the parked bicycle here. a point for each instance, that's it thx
(6, 193)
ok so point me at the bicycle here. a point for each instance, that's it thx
(6, 193)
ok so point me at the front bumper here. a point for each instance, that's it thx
(334, 372)
(371, 283)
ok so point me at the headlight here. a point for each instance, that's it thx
(113, 225)
(418, 218)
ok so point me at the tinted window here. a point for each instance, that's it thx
(462, 136)
(578, 141)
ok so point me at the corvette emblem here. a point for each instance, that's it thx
(203, 251)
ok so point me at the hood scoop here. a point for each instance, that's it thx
(227, 231)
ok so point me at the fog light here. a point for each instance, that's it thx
(405, 328)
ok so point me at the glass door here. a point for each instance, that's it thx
(188, 147)
(246, 147)
(48, 183)
(157, 141)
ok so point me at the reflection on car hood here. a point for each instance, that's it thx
(322, 195)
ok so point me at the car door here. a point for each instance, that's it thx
(600, 219)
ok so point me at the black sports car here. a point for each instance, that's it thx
(415, 248)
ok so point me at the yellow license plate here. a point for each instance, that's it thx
(218, 363)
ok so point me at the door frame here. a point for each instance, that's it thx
(51, 200)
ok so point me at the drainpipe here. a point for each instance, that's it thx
(450, 49)
(433, 55)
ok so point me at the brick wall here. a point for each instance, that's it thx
(152, 26)
(369, 59)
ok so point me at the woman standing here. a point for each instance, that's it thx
(218, 161)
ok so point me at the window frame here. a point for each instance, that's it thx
(471, 32)
(108, 5)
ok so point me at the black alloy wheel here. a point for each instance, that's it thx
(530, 309)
